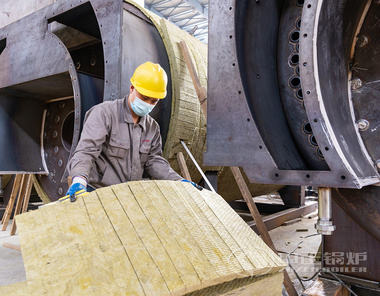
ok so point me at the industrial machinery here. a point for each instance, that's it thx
(293, 90)
(293, 98)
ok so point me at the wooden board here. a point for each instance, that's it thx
(143, 238)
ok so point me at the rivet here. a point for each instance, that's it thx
(363, 125)
(362, 41)
(56, 149)
(356, 83)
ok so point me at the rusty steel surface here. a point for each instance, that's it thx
(285, 86)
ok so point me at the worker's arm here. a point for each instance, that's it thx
(94, 133)
(157, 166)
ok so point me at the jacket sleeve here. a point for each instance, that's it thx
(156, 165)
(94, 133)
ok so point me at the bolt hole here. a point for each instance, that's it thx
(299, 94)
(239, 92)
(343, 177)
(304, 64)
(294, 36)
(315, 120)
(230, 8)
(319, 153)
(298, 24)
(327, 148)
(295, 82)
(294, 59)
(304, 35)
(276, 175)
(308, 176)
(308, 92)
(233, 64)
(309, 6)
(248, 119)
(230, 36)
(313, 140)
(300, 2)
(260, 147)
(307, 128)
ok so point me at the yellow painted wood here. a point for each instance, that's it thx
(145, 238)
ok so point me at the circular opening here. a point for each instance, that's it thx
(294, 36)
(230, 36)
(307, 128)
(298, 23)
(68, 131)
(299, 94)
(300, 2)
(260, 147)
(304, 35)
(313, 140)
(327, 148)
(319, 153)
(248, 119)
(309, 6)
(276, 175)
(308, 176)
(315, 120)
(295, 82)
(294, 59)
(233, 64)
(239, 92)
(343, 177)
(308, 92)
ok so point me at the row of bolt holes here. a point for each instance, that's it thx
(308, 176)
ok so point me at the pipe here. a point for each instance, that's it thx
(324, 224)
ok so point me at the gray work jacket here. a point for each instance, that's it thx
(113, 149)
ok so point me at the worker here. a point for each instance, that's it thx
(119, 140)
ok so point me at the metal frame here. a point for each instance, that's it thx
(235, 134)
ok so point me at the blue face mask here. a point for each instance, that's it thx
(140, 107)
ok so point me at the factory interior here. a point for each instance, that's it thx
(190, 147)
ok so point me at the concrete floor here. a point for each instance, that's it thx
(12, 266)
(285, 239)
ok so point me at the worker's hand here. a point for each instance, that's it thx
(74, 188)
(194, 184)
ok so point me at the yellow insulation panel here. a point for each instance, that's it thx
(144, 238)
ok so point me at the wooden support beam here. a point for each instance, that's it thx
(201, 90)
(9, 209)
(24, 195)
(182, 165)
(260, 224)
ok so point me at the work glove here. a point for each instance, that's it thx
(74, 188)
(194, 184)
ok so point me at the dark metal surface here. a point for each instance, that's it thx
(351, 250)
(78, 55)
(262, 135)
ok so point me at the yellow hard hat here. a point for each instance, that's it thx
(150, 80)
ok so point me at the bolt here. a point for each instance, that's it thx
(56, 149)
(57, 118)
(77, 65)
(60, 163)
(60, 190)
(55, 134)
(356, 83)
(62, 105)
(362, 41)
(363, 125)
(93, 61)
(378, 164)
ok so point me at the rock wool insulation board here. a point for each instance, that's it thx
(145, 238)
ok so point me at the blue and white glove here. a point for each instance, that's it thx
(194, 184)
(78, 184)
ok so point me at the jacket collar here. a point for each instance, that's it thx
(128, 115)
